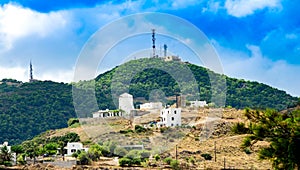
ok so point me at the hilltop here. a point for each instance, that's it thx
(27, 109)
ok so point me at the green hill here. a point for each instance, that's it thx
(239, 93)
(27, 109)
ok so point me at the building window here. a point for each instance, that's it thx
(172, 124)
(164, 119)
(174, 111)
(172, 118)
(73, 150)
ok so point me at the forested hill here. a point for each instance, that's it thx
(27, 109)
(147, 78)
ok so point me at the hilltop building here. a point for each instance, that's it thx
(151, 106)
(198, 103)
(126, 103)
(172, 58)
(73, 147)
(107, 113)
(170, 117)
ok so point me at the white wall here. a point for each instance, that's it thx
(170, 117)
(126, 102)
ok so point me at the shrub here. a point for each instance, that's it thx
(73, 121)
(206, 156)
(124, 161)
(168, 160)
(239, 128)
(175, 165)
(139, 129)
(156, 157)
(84, 159)
(120, 151)
(192, 160)
(247, 151)
(144, 154)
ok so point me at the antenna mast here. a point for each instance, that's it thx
(31, 75)
(153, 42)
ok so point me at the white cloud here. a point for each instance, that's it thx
(17, 22)
(254, 66)
(177, 4)
(22, 74)
(241, 8)
(65, 76)
(18, 73)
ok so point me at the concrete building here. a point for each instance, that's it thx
(170, 117)
(107, 113)
(172, 58)
(126, 102)
(151, 106)
(198, 103)
(73, 147)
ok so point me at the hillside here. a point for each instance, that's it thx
(27, 109)
(189, 146)
(150, 78)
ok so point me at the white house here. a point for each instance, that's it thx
(5, 144)
(126, 102)
(170, 117)
(106, 113)
(198, 103)
(73, 147)
(151, 106)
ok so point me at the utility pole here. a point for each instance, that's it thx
(215, 152)
(176, 153)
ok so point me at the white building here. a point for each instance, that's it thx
(106, 113)
(172, 58)
(151, 106)
(6, 144)
(126, 102)
(73, 147)
(198, 103)
(170, 117)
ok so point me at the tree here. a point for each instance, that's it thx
(5, 156)
(84, 159)
(282, 130)
(18, 149)
(94, 152)
(51, 148)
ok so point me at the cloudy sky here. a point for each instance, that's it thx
(256, 40)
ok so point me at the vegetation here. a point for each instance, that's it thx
(27, 109)
(134, 157)
(206, 156)
(239, 128)
(282, 130)
(5, 156)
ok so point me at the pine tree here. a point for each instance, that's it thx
(282, 130)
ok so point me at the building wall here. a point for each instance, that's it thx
(170, 117)
(198, 103)
(126, 102)
(151, 105)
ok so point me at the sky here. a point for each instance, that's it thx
(256, 40)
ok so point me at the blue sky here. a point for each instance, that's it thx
(256, 40)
